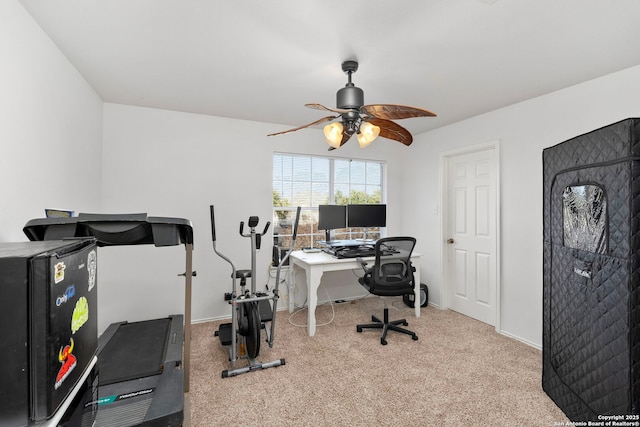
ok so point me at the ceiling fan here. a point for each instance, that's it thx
(366, 121)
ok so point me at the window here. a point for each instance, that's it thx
(309, 181)
(585, 218)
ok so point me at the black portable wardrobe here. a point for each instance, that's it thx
(591, 298)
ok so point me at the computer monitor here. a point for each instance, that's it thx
(331, 217)
(366, 216)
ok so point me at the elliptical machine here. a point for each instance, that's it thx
(250, 310)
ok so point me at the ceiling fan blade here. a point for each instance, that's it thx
(317, 122)
(322, 107)
(392, 130)
(395, 112)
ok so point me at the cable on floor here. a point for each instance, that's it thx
(333, 313)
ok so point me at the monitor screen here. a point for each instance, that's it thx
(367, 215)
(331, 217)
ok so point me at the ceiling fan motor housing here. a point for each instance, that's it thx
(350, 97)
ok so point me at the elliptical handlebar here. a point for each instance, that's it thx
(266, 227)
(213, 224)
(282, 262)
(293, 243)
(253, 222)
(221, 255)
(295, 224)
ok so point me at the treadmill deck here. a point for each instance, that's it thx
(140, 374)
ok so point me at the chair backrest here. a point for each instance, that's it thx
(393, 267)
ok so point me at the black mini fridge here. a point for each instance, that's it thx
(50, 333)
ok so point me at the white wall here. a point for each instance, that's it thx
(50, 127)
(177, 164)
(524, 130)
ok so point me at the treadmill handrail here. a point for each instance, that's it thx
(113, 229)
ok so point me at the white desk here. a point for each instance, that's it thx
(315, 264)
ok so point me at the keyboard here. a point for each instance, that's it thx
(355, 252)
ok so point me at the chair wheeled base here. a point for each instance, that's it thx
(387, 326)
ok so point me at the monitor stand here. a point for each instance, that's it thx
(327, 239)
(365, 239)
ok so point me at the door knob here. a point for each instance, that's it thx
(450, 241)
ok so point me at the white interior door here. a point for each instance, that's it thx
(471, 234)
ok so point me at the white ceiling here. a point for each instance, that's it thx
(262, 60)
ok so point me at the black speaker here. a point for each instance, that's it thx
(277, 255)
(424, 297)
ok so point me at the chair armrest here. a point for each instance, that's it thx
(363, 263)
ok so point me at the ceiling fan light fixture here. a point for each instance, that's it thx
(368, 133)
(333, 134)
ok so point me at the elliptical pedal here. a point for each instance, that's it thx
(266, 313)
(224, 333)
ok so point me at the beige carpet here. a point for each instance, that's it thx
(459, 373)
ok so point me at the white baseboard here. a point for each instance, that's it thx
(522, 340)
(214, 319)
(506, 334)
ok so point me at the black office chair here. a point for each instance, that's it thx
(391, 275)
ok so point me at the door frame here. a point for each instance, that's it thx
(444, 230)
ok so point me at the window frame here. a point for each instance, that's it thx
(313, 236)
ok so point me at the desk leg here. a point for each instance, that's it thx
(292, 286)
(314, 274)
(416, 290)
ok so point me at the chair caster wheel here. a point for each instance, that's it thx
(414, 337)
(405, 324)
(383, 342)
(358, 329)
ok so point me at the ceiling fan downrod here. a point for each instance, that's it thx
(350, 96)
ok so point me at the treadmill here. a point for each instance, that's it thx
(143, 368)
